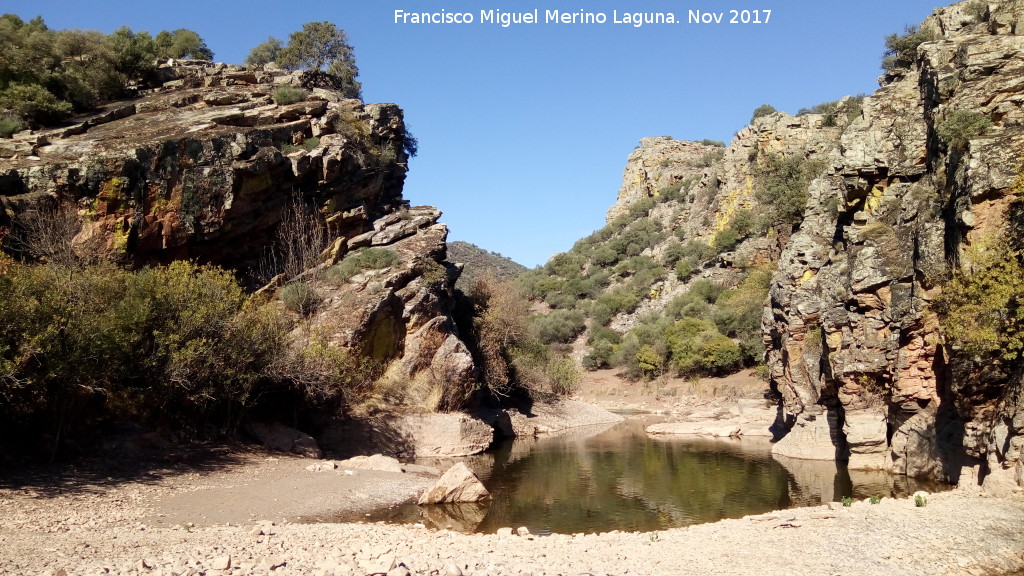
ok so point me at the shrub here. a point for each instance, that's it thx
(562, 375)
(600, 355)
(847, 501)
(744, 222)
(920, 501)
(684, 269)
(301, 298)
(284, 95)
(901, 49)
(726, 239)
(604, 256)
(980, 308)
(34, 102)
(962, 126)
(712, 158)
(308, 144)
(716, 143)
(9, 126)
(738, 312)
(649, 361)
(509, 356)
(176, 345)
(875, 499)
(763, 110)
(671, 192)
(363, 259)
(698, 348)
(832, 112)
(299, 242)
(781, 187)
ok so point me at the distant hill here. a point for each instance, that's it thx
(479, 261)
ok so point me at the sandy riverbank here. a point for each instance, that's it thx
(138, 522)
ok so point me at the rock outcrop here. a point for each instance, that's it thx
(203, 166)
(458, 484)
(854, 339)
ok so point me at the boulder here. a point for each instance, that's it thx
(458, 484)
(375, 462)
(277, 436)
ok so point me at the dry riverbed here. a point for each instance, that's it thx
(239, 512)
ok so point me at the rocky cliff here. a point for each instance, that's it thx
(901, 187)
(204, 165)
(854, 339)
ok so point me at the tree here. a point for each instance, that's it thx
(182, 43)
(264, 53)
(133, 52)
(321, 45)
(763, 110)
(901, 49)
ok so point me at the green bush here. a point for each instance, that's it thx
(980, 308)
(301, 298)
(9, 126)
(697, 347)
(738, 312)
(671, 192)
(35, 102)
(782, 188)
(836, 111)
(716, 143)
(763, 110)
(600, 355)
(920, 501)
(363, 259)
(901, 49)
(284, 95)
(508, 354)
(744, 222)
(726, 239)
(175, 345)
(562, 375)
(48, 74)
(962, 126)
(308, 145)
(684, 269)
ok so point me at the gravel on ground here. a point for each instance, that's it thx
(246, 522)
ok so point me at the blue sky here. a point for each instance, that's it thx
(524, 131)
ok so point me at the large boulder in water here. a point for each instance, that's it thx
(458, 484)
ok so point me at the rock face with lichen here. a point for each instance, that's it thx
(203, 166)
(855, 346)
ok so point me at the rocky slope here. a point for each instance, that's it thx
(893, 203)
(203, 166)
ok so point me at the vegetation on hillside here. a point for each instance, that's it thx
(707, 329)
(510, 356)
(47, 75)
(480, 263)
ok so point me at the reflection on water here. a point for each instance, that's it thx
(619, 479)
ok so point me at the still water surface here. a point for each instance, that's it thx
(619, 479)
